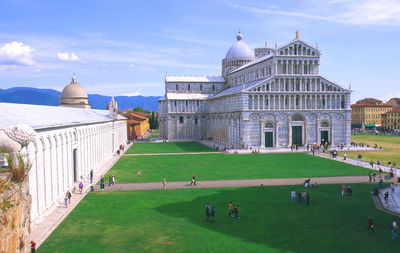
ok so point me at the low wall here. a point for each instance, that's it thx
(15, 206)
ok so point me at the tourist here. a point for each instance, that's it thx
(343, 189)
(230, 213)
(292, 196)
(66, 200)
(213, 215)
(344, 156)
(164, 183)
(303, 197)
(370, 176)
(138, 174)
(69, 195)
(394, 228)
(207, 212)
(109, 180)
(374, 176)
(91, 176)
(112, 180)
(299, 196)
(237, 212)
(102, 182)
(193, 180)
(392, 187)
(308, 198)
(370, 227)
(33, 247)
(391, 173)
(386, 198)
(80, 187)
(372, 164)
(380, 180)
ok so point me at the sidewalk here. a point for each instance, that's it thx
(234, 183)
(49, 222)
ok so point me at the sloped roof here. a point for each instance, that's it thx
(238, 89)
(366, 104)
(186, 96)
(258, 60)
(41, 116)
(195, 79)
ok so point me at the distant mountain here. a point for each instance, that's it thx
(34, 96)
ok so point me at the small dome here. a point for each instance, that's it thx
(74, 90)
(240, 49)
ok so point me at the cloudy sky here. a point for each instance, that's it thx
(127, 47)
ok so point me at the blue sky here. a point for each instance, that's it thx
(127, 47)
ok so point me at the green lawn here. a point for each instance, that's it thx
(155, 134)
(174, 221)
(391, 144)
(167, 147)
(222, 166)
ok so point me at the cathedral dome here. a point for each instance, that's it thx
(74, 95)
(239, 49)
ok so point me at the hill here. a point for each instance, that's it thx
(27, 95)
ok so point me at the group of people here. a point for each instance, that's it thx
(67, 198)
(394, 227)
(303, 197)
(233, 212)
(210, 212)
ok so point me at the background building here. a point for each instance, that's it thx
(391, 119)
(394, 102)
(137, 124)
(273, 97)
(368, 113)
(70, 142)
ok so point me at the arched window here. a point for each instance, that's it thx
(324, 124)
(213, 87)
(189, 87)
(201, 87)
(269, 125)
(297, 118)
(181, 119)
(176, 87)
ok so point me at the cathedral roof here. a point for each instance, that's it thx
(185, 96)
(239, 50)
(195, 79)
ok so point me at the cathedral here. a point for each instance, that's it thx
(266, 98)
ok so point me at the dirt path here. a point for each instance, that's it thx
(234, 183)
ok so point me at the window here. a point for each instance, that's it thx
(189, 87)
(195, 121)
(197, 103)
(175, 102)
(186, 103)
(181, 119)
(201, 87)
(176, 87)
(213, 87)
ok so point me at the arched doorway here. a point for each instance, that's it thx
(75, 164)
(269, 135)
(297, 125)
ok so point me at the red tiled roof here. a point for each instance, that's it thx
(365, 104)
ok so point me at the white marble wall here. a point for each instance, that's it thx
(51, 156)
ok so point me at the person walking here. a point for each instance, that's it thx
(164, 183)
(237, 212)
(370, 227)
(69, 195)
(374, 176)
(102, 183)
(193, 181)
(112, 180)
(394, 228)
(80, 187)
(344, 156)
(343, 189)
(308, 198)
(91, 176)
(138, 175)
(380, 180)
(213, 215)
(292, 196)
(33, 247)
(207, 212)
(230, 209)
(66, 200)
(370, 176)
(392, 188)
(386, 197)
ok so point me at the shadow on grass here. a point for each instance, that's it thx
(193, 147)
(329, 224)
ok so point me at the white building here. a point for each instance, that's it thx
(69, 143)
(273, 97)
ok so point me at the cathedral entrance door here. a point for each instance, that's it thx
(269, 140)
(296, 135)
(324, 137)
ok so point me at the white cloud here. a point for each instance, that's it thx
(131, 94)
(360, 12)
(16, 53)
(68, 57)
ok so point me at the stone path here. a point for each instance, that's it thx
(234, 183)
(189, 153)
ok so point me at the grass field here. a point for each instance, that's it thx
(221, 166)
(167, 147)
(174, 221)
(391, 144)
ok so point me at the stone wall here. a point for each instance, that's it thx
(15, 206)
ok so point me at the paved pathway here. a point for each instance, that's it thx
(189, 153)
(54, 216)
(234, 183)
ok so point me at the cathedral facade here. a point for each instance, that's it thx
(269, 98)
